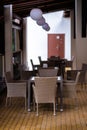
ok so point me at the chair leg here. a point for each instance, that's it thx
(54, 109)
(56, 103)
(6, 101)
(25, 103)
(10, 101)
(76, 103)
(37, 110)
(33, 103)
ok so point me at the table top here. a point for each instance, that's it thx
(59, 78)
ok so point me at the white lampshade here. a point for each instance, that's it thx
(46, 27)
(41, 21)
(36, 14)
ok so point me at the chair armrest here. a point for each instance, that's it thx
(68, 81)
(19, 81)
(69, 84)
(16, 83)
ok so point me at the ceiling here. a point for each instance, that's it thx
(22, 7)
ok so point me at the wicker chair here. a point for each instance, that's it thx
(43, 62)
(15, 88)
(69, 87)
(83, 75)
(34, 66)
(71, 74)
(47, 72)
(45, 90)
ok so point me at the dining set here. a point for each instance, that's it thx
(48, 86)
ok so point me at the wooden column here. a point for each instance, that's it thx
(24, 41)
(8, 38)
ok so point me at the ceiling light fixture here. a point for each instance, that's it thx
(41, 21)
(36, 14)
(46, 27)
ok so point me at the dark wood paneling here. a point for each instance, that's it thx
(2, 39)
(84, 17)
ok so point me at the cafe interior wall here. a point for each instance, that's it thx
(37, 41)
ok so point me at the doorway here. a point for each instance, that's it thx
(56, 45)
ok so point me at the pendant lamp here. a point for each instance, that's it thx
(41, 21)
(46, 27)
(36, 14)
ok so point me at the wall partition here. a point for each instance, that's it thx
(37, 37)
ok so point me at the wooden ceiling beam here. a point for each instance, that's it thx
(23, 7)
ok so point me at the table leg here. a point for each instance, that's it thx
(61, 96)
(29, 90)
